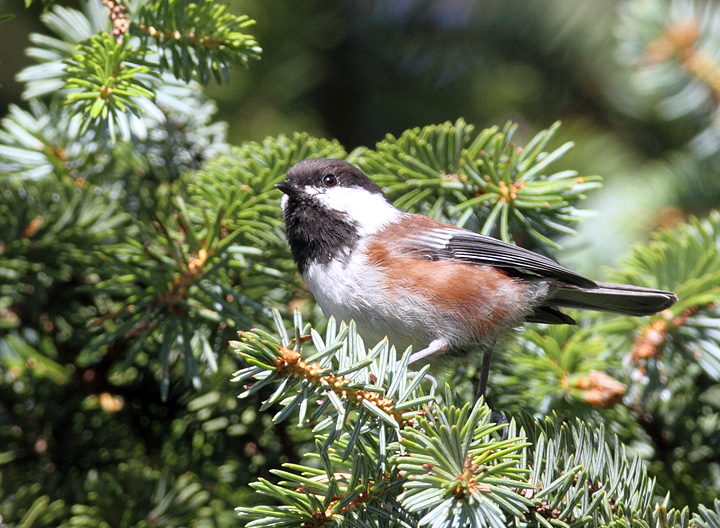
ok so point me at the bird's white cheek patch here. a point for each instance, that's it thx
(369, 211)
(284, 201)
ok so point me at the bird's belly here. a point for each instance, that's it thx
(352, 290)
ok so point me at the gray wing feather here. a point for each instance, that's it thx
(467, 246)
(570, 290)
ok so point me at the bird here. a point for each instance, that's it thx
(445, 291)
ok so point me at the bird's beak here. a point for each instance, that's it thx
(288, 188)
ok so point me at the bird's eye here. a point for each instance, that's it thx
(330, 180)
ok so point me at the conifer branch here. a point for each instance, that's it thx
(483, 182)
(120, 197)
(446, 466)
(118, 18)
(102, 80)
(110, 75)
(196, 41)
(687, 261)
(341, 372)
(680, 43)
(672, 50)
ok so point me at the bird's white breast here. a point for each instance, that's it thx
(351, 289)
(347, 288)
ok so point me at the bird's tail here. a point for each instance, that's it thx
(622, 299)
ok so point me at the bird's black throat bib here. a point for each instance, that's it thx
(317, 234)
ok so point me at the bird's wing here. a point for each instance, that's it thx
(467, 246)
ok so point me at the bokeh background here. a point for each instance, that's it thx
(636, 85)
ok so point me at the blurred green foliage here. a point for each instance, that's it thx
(130, 255)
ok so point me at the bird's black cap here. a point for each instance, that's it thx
(311, 172)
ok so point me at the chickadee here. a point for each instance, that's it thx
(442, 289)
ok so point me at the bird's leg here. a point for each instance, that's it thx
(482, 389)
(438, 346)
(484, 372)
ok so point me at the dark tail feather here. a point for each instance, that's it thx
(622, 299)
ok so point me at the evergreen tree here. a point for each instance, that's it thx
(136, 244)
